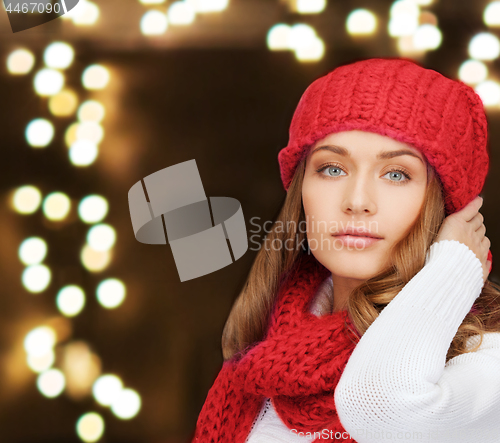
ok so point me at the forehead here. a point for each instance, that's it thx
(364, 141)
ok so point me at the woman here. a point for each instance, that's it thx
(393, 336)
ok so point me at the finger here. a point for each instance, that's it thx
(477, 221)
(486, 243)
(481, 230)
(470, 210)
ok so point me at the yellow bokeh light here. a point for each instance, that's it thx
(91, 111)
(82, 368)
(90, 427)
(70, 134)
(95, 77)
(91, 131)
(63, 104)
(93, 260)
(56, 206)
(26, 199)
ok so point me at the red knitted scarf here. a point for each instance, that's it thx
(297, 365)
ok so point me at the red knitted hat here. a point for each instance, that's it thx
(396, 97)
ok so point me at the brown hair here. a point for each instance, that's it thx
(249, 317)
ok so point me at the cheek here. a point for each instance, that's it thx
(402, 219)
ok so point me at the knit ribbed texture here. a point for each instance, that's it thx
(396, 382)
(297, 364)
(469, 384)
(396, 97)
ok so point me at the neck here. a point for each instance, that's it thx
(342, 288)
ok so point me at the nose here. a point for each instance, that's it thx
(358, 198)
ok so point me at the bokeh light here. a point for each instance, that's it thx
(90, 427)
(95, 77)
(310, 6)
(472, 72)
(63, 104)
(40, 341)
(361, 22)
(58, 55)
(154, 23)
(51, 382)
(48, 82)
(70, 300)
(278, 37)
(36, 278)
(93, 209)
(26, 199)
(91, 111)
(427, 37)
(39, 133)
(91, 131)
(32, 251)
(106, 389)
(126, 404)
(181, 13)
(101, 237)
(484, 46)
(56, 206)
(86, 13)
(491, 14)
(40, 363)
(94, 261)
(489, 91)
(111, 293)
(83, 153)
(20, 62)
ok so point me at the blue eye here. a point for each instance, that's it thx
(330, 168)
(333, 169)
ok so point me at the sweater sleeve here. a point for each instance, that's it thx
(397, 385)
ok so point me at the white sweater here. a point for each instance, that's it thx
(396, 385)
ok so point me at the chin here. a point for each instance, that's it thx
(350, 265)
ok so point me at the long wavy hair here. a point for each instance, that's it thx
(250, 314)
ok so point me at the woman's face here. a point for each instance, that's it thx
(357, 179)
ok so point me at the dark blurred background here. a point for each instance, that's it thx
(214, 90)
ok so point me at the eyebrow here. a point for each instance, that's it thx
(382, 156)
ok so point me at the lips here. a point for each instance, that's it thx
(357, 232)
